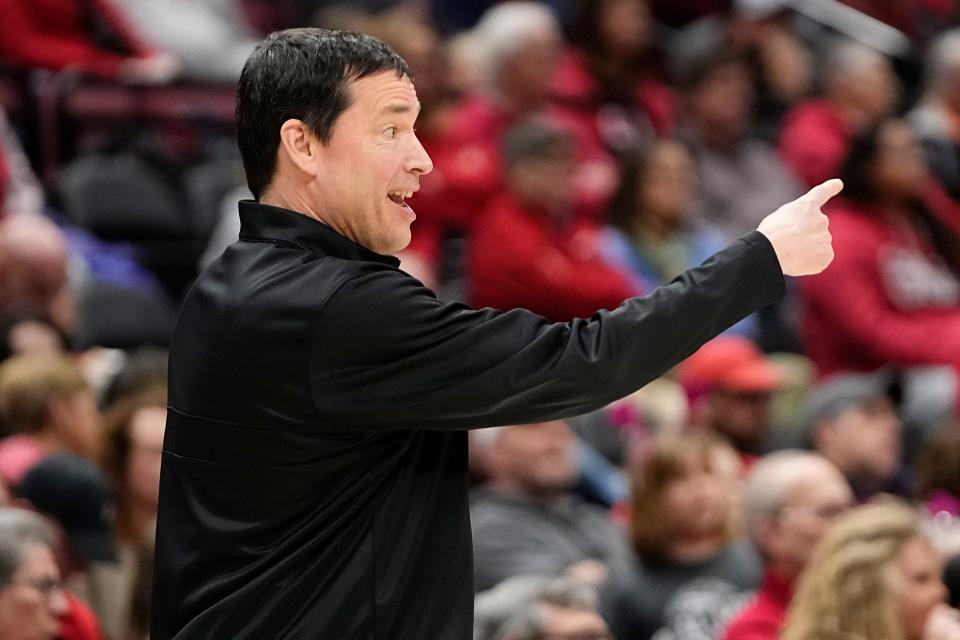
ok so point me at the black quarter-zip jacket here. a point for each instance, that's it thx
(314, 478)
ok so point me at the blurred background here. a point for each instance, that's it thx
(585, 151)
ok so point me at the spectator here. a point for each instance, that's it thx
(730, 382)
(48, 405)
(91, 37)
(936, 116)
(652, 234)
(681, 528)
(74, 495)
(527, 521)
(528, 251)
(852, 423)
(608, 78)
(892, 295)
(764, 34)
(131, 454)
(790, 501)
(740, 177)
(520, 43)
(859, 91)
(33, 269)
(538, 607)
(32, 600)
(874, 575)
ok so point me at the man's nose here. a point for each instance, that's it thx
(419, 162)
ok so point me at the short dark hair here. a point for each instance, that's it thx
(302, 74)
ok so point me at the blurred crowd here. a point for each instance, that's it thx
(798, 477)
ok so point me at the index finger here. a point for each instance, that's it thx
(822, 193)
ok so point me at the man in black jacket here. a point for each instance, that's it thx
(314, 479)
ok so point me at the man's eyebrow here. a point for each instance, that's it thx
(398, 107)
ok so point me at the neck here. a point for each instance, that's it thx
(694, 547)
(539, 494)
(138, 518)
(654, 226)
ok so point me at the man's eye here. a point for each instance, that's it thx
(391, 132)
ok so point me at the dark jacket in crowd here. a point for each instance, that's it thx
(314, 480)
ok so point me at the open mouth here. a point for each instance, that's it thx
(398, 197)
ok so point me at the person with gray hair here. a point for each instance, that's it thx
(790, 500)
(858, 90)
(31, 597)
(537, 607)
(934, 115)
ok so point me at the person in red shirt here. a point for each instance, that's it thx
(90, 36)
(790, 501)
(892, 296)
(527, 249)
(859, 90)
(522, 44)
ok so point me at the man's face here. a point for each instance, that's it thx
(811, 508)
(539, 458)
(32, 602)
(864, 440)
(741, 416)
(373, 160)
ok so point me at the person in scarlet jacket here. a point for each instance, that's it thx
(90, 36)
(314, 478)
(527, 249)
(893, 295)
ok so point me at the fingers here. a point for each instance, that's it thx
(822, 193)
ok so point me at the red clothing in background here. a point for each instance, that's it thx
(469, 171)
(4, 182)
(577, 91)
(814, 141)
(520, 258)
(765, 614)
(887, 298)
(79, 623)
(55, 34)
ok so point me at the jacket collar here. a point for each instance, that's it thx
(266, 223)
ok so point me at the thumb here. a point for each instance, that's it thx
(822, 193)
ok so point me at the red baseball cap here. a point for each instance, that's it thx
(729, 362)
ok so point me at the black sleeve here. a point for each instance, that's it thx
(388, 354)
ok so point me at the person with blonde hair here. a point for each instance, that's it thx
(873, 577)
(48, 407)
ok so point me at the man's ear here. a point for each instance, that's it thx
(301, 146)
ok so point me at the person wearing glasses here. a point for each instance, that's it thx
(790, 501)
(32, 601)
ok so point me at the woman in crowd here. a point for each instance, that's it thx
(652, 235)
(131, 454)
(874, 576)
(682, 530)
(892, 294)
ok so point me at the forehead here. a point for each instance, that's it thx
(384, 91)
